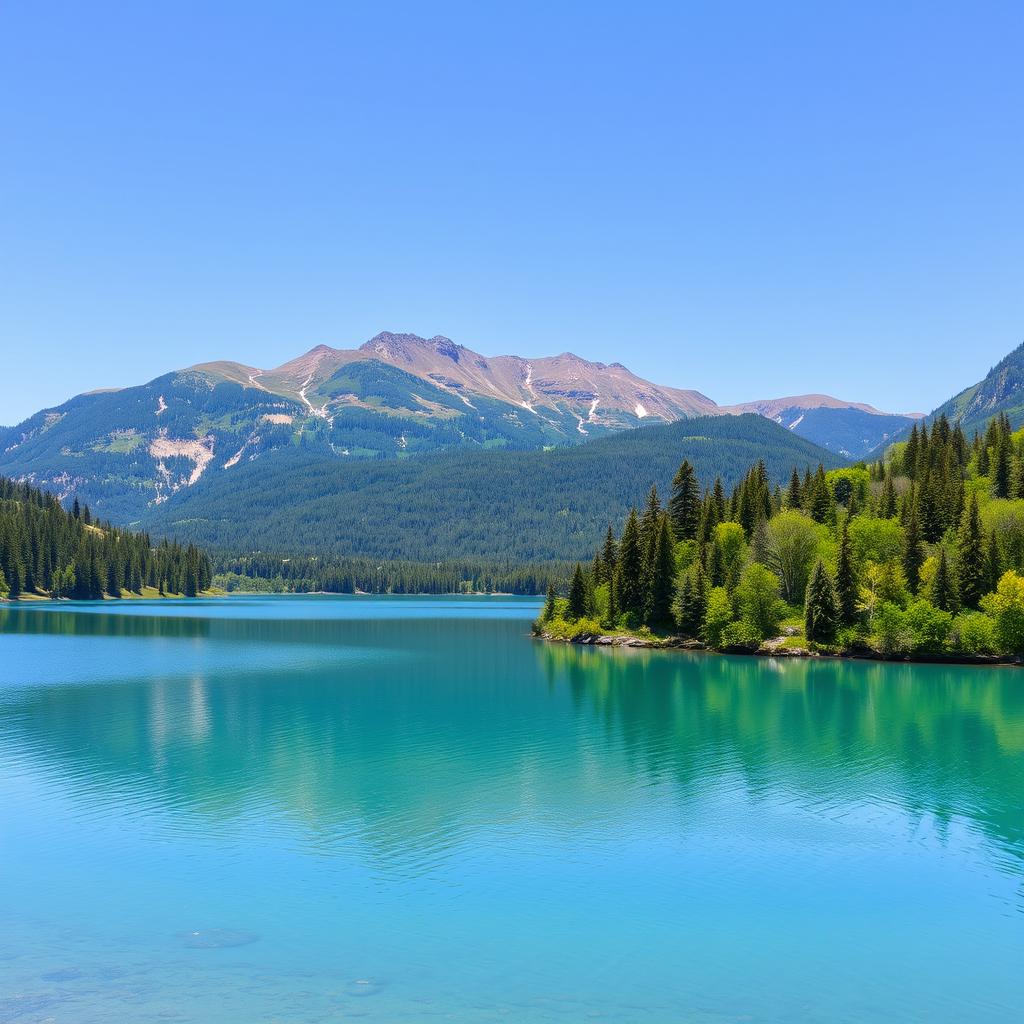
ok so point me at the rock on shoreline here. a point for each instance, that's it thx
(774, 648)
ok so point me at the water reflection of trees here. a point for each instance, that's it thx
(939, 739)
(405, 737)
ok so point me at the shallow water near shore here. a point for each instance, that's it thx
(318, 808)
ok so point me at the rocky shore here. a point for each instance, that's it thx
(776, 647)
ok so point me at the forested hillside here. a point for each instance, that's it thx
(47, 550)
(921, 553)
(508, 507)
(274, 573)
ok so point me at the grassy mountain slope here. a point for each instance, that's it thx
(1001, 390)
(123, 451)
(520, 506)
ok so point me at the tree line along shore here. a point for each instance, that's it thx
(49, 551)
(919, 554)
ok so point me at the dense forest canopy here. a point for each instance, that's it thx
(488, 507)
(303, 574)
(46, 549)
(921, 552)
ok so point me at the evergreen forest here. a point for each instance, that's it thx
(47, 550)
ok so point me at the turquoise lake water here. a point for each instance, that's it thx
(313, 809)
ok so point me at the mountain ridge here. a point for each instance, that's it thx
(396, 396)
(1000, 390)
(550, 382)
(518, 379)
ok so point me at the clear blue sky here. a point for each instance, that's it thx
(749, 199)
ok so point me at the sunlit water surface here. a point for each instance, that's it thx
(311, 809)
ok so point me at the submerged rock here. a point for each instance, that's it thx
(63, 974)
(364, 987)
(218, 938)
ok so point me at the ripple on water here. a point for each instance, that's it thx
(218, 938)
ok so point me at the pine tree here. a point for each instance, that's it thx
(1001, 467)
(716, 565)
(923, 454)
(981, 452)
(609, 554)
(113, 581)
(693, 600)
(708, 519)
(913, 552)
(821, 607)
(887, 505)
(821, 504)
(795, 494)
(684, 601)
(549, 604)
(649, 529)
(971, 567)
(684, 505)
(577, 594)
(943, 593)
(661, 577)
(847, 590)
(993, 562)
(718, 497)
(910, 453)
(76, 509)
(628, 583)
(928, 508)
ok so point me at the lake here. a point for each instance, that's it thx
(317, 808)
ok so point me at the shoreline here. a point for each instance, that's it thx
(35, 597)
(773, 649)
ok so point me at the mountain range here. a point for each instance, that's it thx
(130, 450)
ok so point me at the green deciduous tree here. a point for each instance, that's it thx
(790, 551)
(718, 614)
(758, 601)
(730, 552)
(1006, 607)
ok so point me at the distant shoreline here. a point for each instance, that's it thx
(35, 598)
